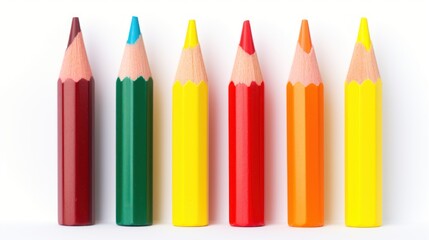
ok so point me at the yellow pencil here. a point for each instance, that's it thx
(363, 136)
(190, 136)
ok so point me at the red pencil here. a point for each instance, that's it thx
(246, 137)
(75, 106)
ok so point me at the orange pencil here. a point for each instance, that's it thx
(305, 137)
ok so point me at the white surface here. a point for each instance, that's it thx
(34, 37)
(214, 232)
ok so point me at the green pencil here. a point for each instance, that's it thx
(134, 111)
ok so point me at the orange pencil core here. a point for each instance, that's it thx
(304, 37)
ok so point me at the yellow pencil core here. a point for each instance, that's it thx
(191, 36)
(363, 36)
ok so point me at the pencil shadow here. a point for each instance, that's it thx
(158, 200)
(97, 165)
(270, 166)
(329, 158)
(392, 161)
(104, 135)
(213, 157)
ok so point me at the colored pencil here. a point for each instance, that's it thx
(190, 136)
(305, 136)
(363, 136)
(75, 116)
(246, 136)
(134, 121)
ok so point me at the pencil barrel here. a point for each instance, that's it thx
(246, 154)
(75, 155)
(363, 153)
(190, 154)
(134, 151)
(305, 155)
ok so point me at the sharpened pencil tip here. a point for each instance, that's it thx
(134, 31)
(191, 35)
(75, 30)
(246, 41)
(363, 36)
(304, 37)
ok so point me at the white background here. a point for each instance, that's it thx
(34, 35)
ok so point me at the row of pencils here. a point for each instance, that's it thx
(305, 135)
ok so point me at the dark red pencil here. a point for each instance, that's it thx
(246, 137)
(75, 115)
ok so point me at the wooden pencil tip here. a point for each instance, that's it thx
(134, 31)
(75, 30)
(246, 41)
(363, 36)
(304, 37)
(191, 35)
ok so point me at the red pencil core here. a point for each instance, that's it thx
(246, 42)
